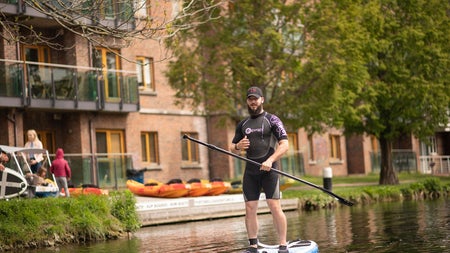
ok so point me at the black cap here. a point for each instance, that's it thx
(254, 91)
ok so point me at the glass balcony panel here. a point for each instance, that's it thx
(11, 75)
(131, 89)
(87, 85)
(40, 81)
(63, 79)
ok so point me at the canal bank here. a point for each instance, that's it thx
(156, 211)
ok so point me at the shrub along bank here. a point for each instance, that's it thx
(35, 223)
(425, 188)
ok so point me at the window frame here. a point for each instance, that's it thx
(335, 147)
(190, 146)
(103, 53)
(146, 74)
(311, 153)
(147, 151)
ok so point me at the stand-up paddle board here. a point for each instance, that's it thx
(297, 246)
(12, 184)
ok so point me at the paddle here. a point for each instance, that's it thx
(340, 199)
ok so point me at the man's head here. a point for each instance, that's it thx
(255, 99)
(254, 91)
(4, 157)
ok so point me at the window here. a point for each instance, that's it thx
(36, 53)
(38, 76)
(143, 8)
(293, 162)
(111, 163)
(111, 9)
(189, 149)
(429, 147)
(293, 143)
(109, 141)
(311, 148)
(110, 63)
(335, 147)
(145, 73)
(149, 143)
(177, 7)
(108, 9)
(47, 138)
(374, 144)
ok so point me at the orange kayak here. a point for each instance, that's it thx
(77, 191)
(174, 190)
(143, 190)
(85, 191)
(218, 187)
(198, 189)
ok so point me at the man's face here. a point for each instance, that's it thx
(254, 105)
(4, 158)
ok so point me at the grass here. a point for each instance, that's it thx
(372, 178)
(365, 189)
(37, 222)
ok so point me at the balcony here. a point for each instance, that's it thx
(120, 17)
(25, 84)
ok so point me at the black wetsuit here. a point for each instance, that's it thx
(264, 131)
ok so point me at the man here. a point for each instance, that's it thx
(258, 136)
(4, 158)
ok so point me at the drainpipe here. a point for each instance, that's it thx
(91, 145)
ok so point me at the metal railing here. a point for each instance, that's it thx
(404, 160)
(105, 170)
(34, 80)
(435, 164)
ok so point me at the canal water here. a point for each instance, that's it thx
(422, 226)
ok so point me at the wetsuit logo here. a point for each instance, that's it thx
(250, 130)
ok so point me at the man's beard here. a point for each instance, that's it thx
(255, 112)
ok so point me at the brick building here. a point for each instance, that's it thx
(93, 104)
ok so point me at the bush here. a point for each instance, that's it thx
(39, 222)
(123, 207)
(432, 185)
(428, 187)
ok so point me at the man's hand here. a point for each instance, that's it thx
(243, 144)
(267, 165)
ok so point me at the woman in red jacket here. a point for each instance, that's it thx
(60, 168)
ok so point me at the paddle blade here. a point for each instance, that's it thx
(345, 202)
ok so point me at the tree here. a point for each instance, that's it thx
(252, 43)
(99, 20)
(383, 64)
(376, 67)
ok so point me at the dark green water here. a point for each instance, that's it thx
(422, 226)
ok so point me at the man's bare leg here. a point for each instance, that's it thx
(279, 219)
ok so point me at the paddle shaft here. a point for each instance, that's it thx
(340, 199)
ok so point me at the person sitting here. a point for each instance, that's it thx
(4, 158)
(34, 159)
(39, 178)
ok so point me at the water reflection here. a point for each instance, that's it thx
(386, 227)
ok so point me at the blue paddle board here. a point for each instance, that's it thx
(12, 184)
(297, 246)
